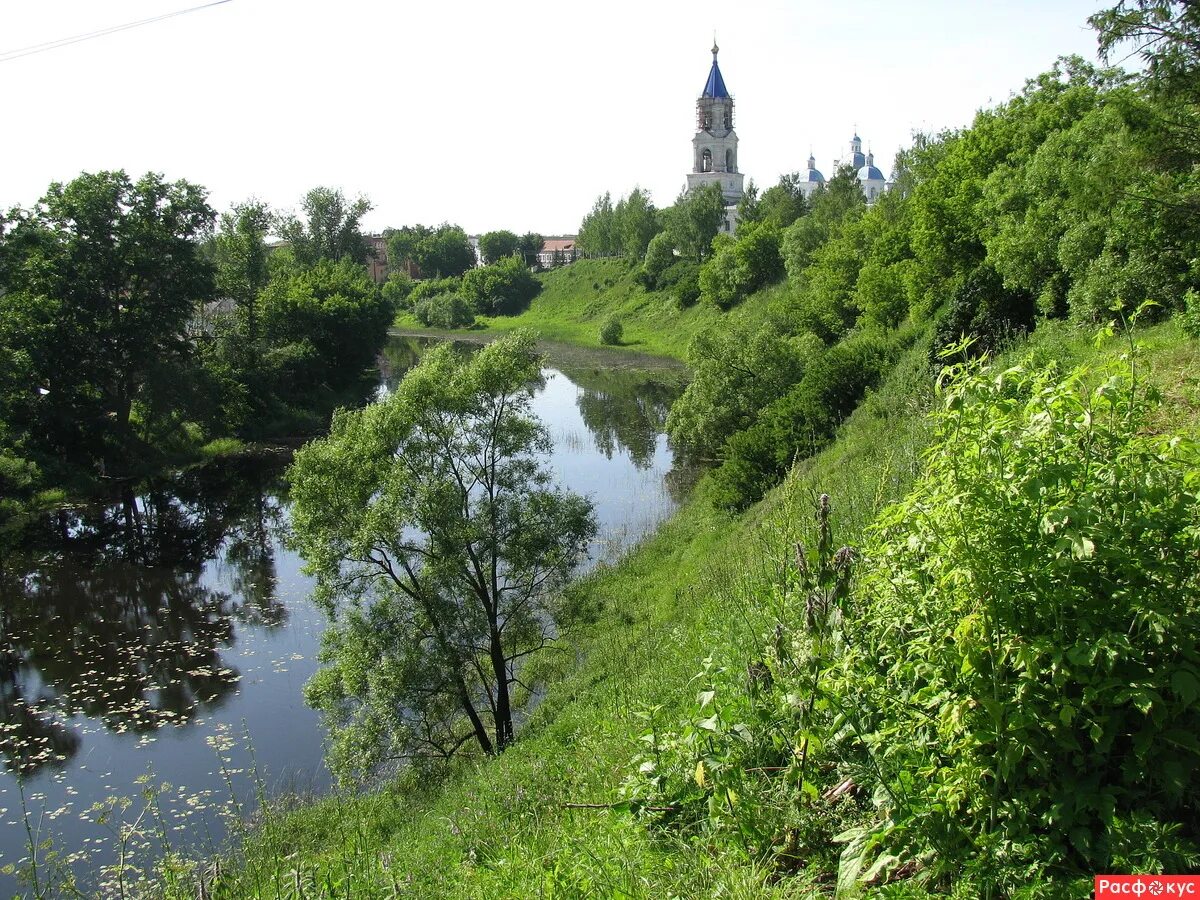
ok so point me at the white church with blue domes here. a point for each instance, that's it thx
(869, 177)
(715, 148)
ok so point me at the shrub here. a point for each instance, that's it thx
(444, 311)
(501, 289)
(1189, 319)
(982, 308)
(333, 316)
(737, 369)
(1028, 640)
(611, 331)
(687, 288)
(397, 290)
(431, 287)
(739, 267)
(802, 421)
(660, 256)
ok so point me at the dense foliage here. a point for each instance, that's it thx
(132, 334)
(441, 252)
(1004, 688)
(101, 280)
(622, 230)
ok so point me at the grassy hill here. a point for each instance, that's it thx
(534, 822)
(577, 298)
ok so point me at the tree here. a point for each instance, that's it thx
(240, 253)
(500, 289)
(660, 253)
(530, 246)
(695, 219)
(495, 245)
(598, 231)
(333, 320)
(737, 370)
(439, 548)
(117, 264)
(442, 252)
(1164, 33)
(403, 245)
(636, 223)
(330, 229)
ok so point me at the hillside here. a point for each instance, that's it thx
(576, 299)
(695, 598)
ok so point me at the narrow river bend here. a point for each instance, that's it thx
(170, 634)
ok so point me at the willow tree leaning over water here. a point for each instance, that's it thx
(440, 547)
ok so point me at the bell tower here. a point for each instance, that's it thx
(715, 145)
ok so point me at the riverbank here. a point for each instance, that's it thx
(171, 630)
(549, 817)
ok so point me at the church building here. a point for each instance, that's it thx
(870, 179)
(715, 146)
(715, 149)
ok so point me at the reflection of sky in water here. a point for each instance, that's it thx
(265, 659)
(629, 500)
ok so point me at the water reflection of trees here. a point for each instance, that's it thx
(625, 409)
(117, 622)
(399, 355)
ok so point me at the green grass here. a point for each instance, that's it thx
(576, 299)
(502, 828)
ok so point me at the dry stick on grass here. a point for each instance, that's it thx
(624, 803)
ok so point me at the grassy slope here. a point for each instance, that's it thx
(577, 298)
(499, 828)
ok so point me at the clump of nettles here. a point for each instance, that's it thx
(611, 331)
(752, 761)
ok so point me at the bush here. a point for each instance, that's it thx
(739, 267)
(501, 289)
(444, 311)
(687, 288)
(1028, 635)
(1189, 319)
(660, 256)
(431, 287)
(331, 316)
(983, 309)
(397, 290)
(611, 331)
(803, 421)
(737, 369)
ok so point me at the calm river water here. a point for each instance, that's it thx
(170, 633)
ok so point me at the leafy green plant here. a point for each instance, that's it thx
(1189, 319)
(755, 761)
(444, 311)
(611, 331)
(1028, 657)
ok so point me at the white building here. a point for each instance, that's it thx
(715, 145)
(811, 179)
(715, 148)
(870, 179)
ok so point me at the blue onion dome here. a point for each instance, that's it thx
(870, 173)
(812, 174)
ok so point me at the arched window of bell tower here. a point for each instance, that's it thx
(728, 160)
(706, 160)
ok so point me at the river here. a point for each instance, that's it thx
(164, 638)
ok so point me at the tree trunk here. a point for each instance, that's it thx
(504, 725)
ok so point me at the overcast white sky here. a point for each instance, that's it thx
(493, 114)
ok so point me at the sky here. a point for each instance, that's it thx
(494, 115)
